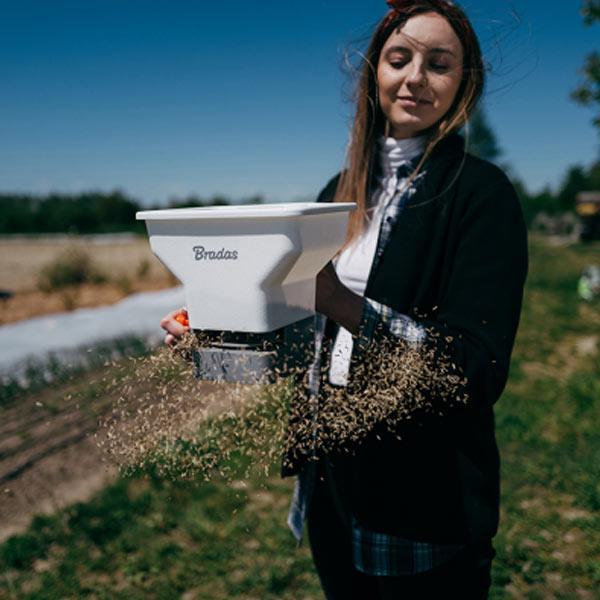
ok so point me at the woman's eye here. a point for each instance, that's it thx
(397, 64)
(439, 67)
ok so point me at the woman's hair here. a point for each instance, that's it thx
(369, 120)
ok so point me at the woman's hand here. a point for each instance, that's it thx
(328, 284)
(337, 302)
(173, 324)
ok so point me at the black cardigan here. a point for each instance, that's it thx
(456, 262)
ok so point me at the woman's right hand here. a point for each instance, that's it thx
(174, 328)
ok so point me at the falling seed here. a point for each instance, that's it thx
(163, 419)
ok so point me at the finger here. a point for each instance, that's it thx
(175, 328)
(174, 313)
(170, 325)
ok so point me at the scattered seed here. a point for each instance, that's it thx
(167, 421)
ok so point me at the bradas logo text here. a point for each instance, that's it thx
(201, 253)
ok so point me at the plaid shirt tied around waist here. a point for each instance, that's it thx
(374, 553)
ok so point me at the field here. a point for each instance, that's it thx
(125, 261)
(147, 537)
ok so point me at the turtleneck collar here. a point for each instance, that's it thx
(393, 153)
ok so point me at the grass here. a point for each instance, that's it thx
(50, 371)
(547, 422)
(145, 537)
(148, 537)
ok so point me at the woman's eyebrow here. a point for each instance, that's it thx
(397, 49)
(443, 51)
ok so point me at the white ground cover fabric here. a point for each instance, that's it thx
(61, 336)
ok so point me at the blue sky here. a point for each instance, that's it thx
(165, 99)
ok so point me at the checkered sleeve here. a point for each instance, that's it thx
(376, 315)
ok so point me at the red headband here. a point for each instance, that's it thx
(400, 4)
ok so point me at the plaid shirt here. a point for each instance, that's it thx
(373, 553)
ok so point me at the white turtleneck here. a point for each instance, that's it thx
(354, 263)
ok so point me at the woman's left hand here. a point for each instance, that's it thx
(328, 287)
(336, 301)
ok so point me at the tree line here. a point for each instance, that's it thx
(577, 179)
(482, 142)
(85, 213)
(114, 212)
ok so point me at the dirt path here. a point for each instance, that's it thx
(49, 457)
(73, 473)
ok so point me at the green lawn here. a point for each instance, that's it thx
(146, 537)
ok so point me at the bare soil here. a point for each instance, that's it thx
(47, 457)
(49, 454)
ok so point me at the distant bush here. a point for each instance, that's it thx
(73, 267)
(124, 284)
(143, 268)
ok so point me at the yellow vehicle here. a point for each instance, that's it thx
(587, 206)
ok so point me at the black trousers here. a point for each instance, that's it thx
(462, 576)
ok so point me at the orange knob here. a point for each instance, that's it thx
(181, 318)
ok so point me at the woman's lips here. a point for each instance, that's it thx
(412, 102)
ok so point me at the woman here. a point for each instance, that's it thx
(436, 258)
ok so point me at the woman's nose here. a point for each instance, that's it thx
(416, 75)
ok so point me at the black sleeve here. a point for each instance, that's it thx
(479, 315)
(471, 335)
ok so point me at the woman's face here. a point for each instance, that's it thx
(419, 73)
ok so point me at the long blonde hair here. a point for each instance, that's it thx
(369, 120)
